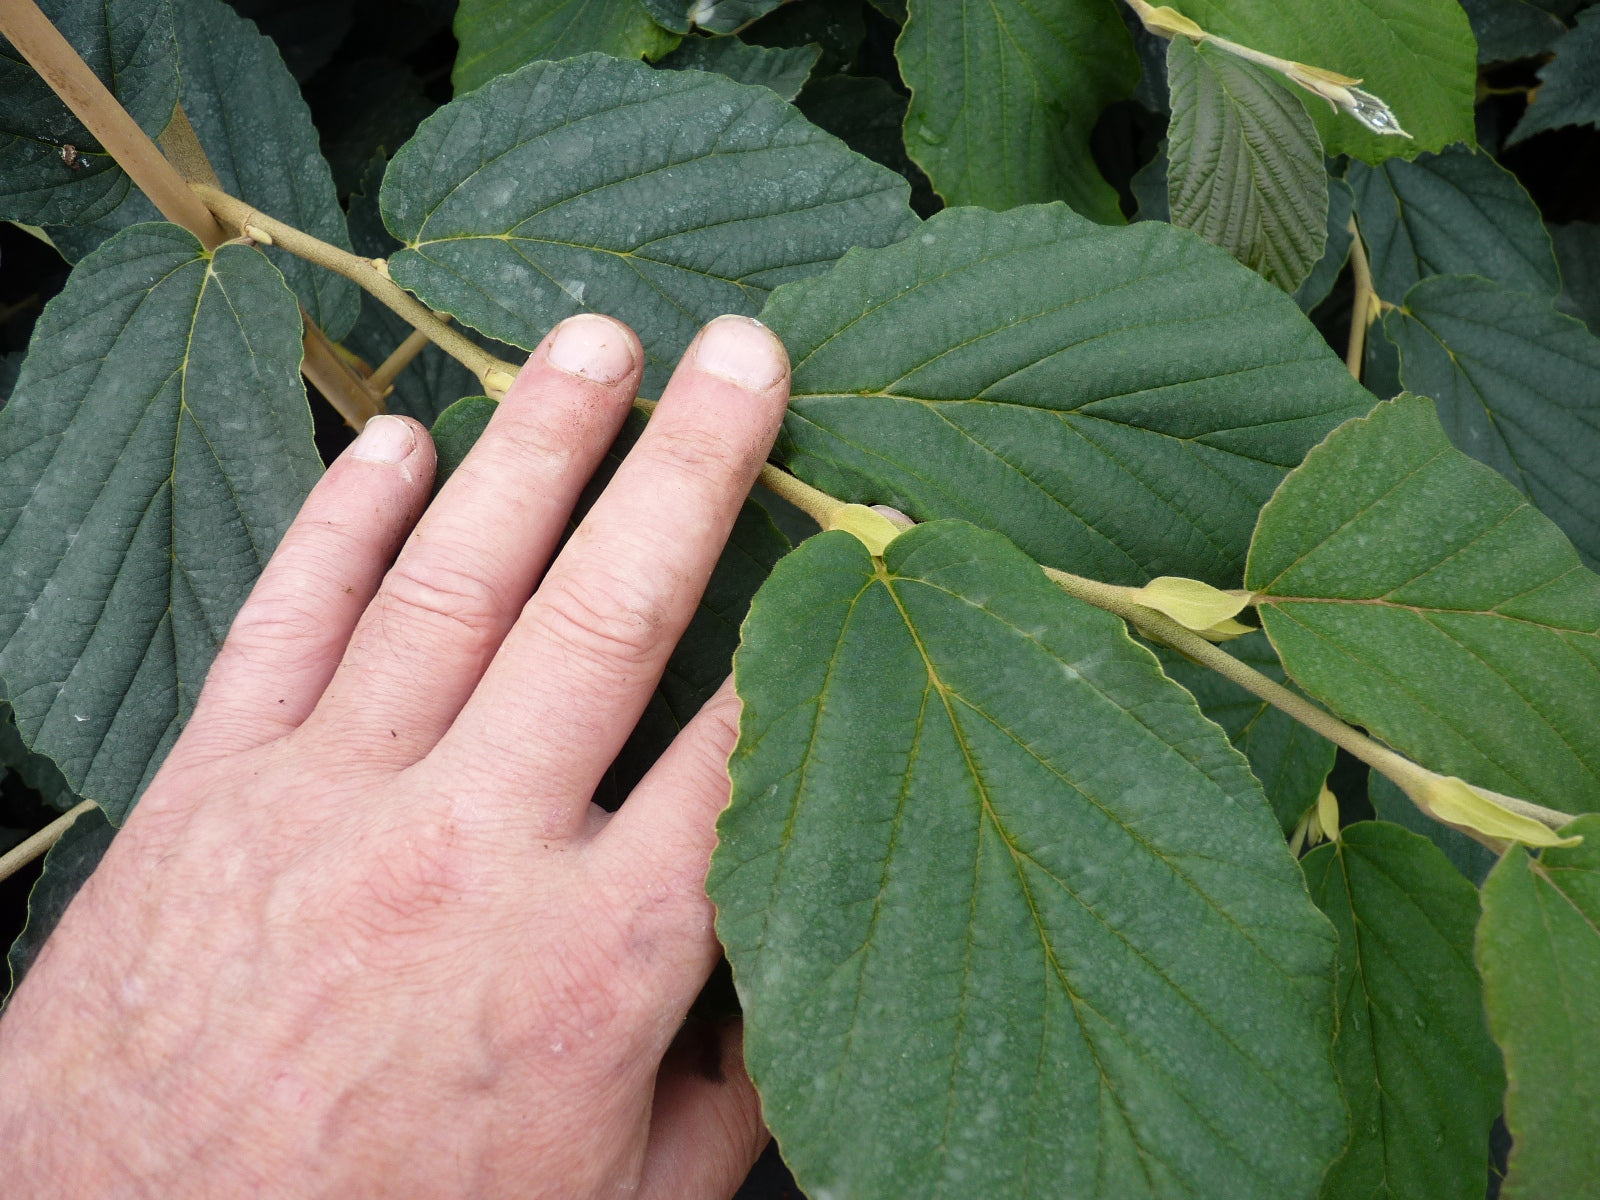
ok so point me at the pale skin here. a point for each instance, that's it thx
(366, 934)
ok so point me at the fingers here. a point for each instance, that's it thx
(705, 1125)
(573, 676)
(474, 558)
(285, 642)
(664, 835)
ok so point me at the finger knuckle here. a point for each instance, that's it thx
(432, 591)
(700, 453)
(601, 620)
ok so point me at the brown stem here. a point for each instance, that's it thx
(1364, 307)
(389, 369)
(494, 374)
(336, 379)
(50, 54)
(19, 856)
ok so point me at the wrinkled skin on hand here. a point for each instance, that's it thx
(366, 934)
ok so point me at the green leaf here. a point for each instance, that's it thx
(1456, 213)
(783, 69)
(1118, 402)
(1419, 56)
(1539, 951)
(1473, 859)
(1569, 84)
(130, 45)
(1336, 250)
(156, 448)
(67, 866)
(496, 38)
(1507, 30)
(662, 198)
(247, 111)
(837, 26)
(714, 16)
(1578, 251)
(36, 771)
(1008, 917)
(256, 130)
(456, 430)
(1004, 95)
(1416, 1065)
(1244, 163)
(1518, 387)
(1290, 761)
(1418, 594)
(867, 115)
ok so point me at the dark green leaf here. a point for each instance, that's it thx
(497, 38)
(1149, 187)
(1456, 213)
(895, 10)
(664, 198)
(455, 432)
(1518, 387)
(1118, 402)
(1336, 250)
(156, 447)
(1510, 29)
(1418, 594)
(1008, 917)
(1473, 859)
(1569, 84)
(1539, 950)
(370, 107)
(254, 126)
(867, 115)
(1416, 1065)
(714, 16)
(838, 26)
(1005, 94)
(1578, 251)
(130, 45)
(36, 771)
(68, 864)
(1417, 55)
(783, 69)
(306, 32)
(1244, 163)
(1290, 761)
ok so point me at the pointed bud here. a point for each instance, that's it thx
(1328, 813)
(1458, 803)
(1195, 605)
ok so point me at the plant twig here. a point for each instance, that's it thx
(399, 359)
(493, 373)
(50, 54)
(817, 505)
(1192, 646)
(19, 856)
(1365, 306)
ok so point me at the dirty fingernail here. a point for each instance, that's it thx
(743, 351)
(592, 347)
(384, 439)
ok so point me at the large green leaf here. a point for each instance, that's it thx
(1539, 951)
(156, 447)
(498, 36)
(1118, 402)
(837, 26)
(1290, 761)
(254, 126)
(1244, 167)
(35, 771)
(1335, 252)
(1578, 251)
(1518, 387)
(68, 864)
(130, 45)
(714, 16)
(868, 115)
(784, 69)
(1456, 213)
(1415, 1061)
(1569, 84)
(1417, 55)
(1420, 595)
(1008, 917)
(663, 198)
(1004, 95)
(1510, 29)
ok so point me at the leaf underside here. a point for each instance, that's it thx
(496, 37)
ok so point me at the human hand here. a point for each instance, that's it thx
(366, 934)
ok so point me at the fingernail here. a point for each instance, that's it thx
(743, 351)
(592, 347)
(384, 439)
